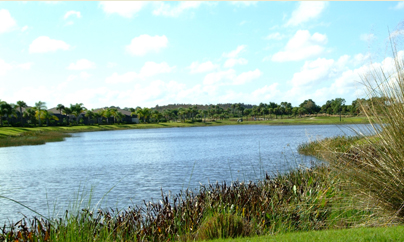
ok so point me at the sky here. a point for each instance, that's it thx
(131, 54)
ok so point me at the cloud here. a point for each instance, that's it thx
(229, 77)
(124, 78)
(217, 77)
(82, 64)
(45, 44)
(244, 3)
(111, 64)
(7, 22)
(397, 33)
(152, 68)
(400, 5)
(267, 92)
(306, 11)
(367, 37)
(275, 36)
(149, 69)
(165, 9)
(71, 13)
(123, 8)
(25, 66)
(233, 61)
(246, 77)
(4, 67)
(234, 53)
(143, 44)
(301, 46)
(203, 67)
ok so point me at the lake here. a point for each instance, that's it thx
(136, 164)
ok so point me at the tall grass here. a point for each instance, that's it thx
(301, 200)
(374, 165)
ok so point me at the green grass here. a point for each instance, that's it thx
(394, 233)
(17, 136)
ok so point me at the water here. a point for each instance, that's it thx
(138, 163)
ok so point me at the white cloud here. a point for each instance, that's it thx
(396, 33)
(111, 64)
(229, 77)
(44, 44)
(166, 9)
(400, 5)
(7, 22)
(70, 13)
(85, 75)
(4, 67)
(203, 67)
(301, 46)
(151, 69)
(25, 66)
(367, 37)
(123, 8)
(234, 53)
(275, 36)
(217, 77)
(313, 72)
(247, 77)
(233, 61)
(267, 92)
(145, 43)
(244, 3)
(124, 78)
(82, 64)
(306, 11)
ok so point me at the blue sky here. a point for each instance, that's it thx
(144, 54)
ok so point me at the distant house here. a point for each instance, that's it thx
(128, 117)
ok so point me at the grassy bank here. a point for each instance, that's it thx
(17, 136)
(301, 200)
(394, 233)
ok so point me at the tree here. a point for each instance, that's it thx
(247, 112)
(20, 105)
(60, 107)
(29, 113)
(90, 114)
(77, 109)
(5, 109)
(337, 105)
(67, 111)
(48, 116)
(39, 107)
(310, 106)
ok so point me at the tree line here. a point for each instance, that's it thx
(76, 113)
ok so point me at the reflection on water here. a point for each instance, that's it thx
(138, 163)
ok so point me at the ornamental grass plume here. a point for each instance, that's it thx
(374, 166)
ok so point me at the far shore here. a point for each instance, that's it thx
(18, 136)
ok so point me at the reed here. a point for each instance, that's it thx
(372, 165)
(301, 200)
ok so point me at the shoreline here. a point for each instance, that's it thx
(20, 136)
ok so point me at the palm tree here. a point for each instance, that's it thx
(46, 115)
(90, 114)
(77, 109)
(29, 113)
(21, 104)
(60, 107)
(67, 111)
(40, 106)
(4, 110)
